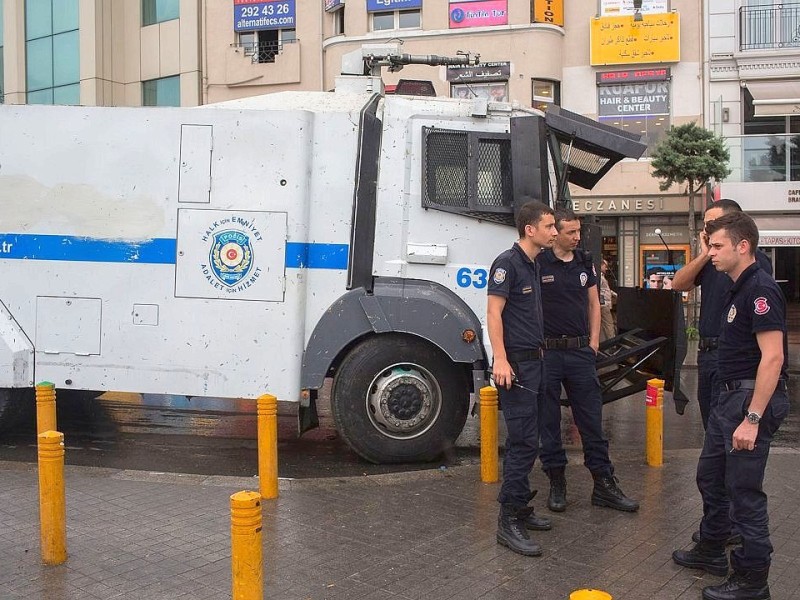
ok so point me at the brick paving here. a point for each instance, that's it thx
(428, 534)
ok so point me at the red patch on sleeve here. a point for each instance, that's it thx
(761, 306)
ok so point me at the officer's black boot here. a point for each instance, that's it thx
(557, 500)
(709, 556)
(606, 492)
(511, 530)
(735, 539)
(742, 584)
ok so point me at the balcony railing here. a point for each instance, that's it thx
(764, 157)
(263, 52)
(765, 28)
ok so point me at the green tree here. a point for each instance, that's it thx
(690, 155)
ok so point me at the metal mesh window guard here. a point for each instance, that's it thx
(263, 52)
(468, 173)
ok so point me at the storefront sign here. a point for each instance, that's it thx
(493, 71)
(386, 5)
(616, 8)
(633, 76)
(549, 11)
(672, 234)
(763, 196)
(634, 205)
(632, 100)
(621, 40)
(778, 238)
(478, 13)
(332, 5)
(249, 15)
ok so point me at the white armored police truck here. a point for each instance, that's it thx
(266, 244)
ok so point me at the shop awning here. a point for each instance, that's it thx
(775, 98)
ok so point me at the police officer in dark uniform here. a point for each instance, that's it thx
(571, 306)
(752, 404)
(714, 284)
(514, 323)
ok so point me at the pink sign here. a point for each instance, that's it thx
(478, 13)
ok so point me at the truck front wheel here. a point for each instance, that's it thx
(398, 399)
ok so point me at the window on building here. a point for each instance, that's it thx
(495, 92)
(52, 52)
(263, 46)
(641, 108)
(1, 52)
(162, 92)
(769, 24)
(771, 145)
(158, 11)
(396, 19)
(544, 93)
(338, 21)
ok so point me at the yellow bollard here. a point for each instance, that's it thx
(45, 407)
(268, 446)
(247, 566)
(52, 498)
(654, 439)
(590, 594)
(490, 472)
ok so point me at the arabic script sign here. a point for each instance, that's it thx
(621, 40)
(492, 71)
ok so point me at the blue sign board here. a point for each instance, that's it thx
(386, 5)
(254, 16)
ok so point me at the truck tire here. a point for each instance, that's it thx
(398, 399)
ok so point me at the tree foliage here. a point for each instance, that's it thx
(690, 154)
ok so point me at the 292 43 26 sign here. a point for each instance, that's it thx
(255, 16)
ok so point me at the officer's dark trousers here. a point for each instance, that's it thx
(707, 384)
(741, 474)
(520, 408)
(577, 371)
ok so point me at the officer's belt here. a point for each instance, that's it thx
(708, 343)
(566, 343)
(749, 384)
(524, 355)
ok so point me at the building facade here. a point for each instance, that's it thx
(639, 69)
(753, 78)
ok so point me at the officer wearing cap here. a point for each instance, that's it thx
(753, 401)
(571, 306)
(514, 323)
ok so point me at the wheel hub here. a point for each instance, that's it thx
(404, 401)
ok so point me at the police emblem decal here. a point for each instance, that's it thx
(761, 306)
(584, 279)
(731, 314)
(499, 276)
(231, 256)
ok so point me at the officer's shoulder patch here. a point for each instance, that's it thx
(761, 306)
(499, 276)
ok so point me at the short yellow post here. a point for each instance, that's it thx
(247, 567)
(52, 498)
(45, 407)
(590, 594)
(489, 456)
(654, 439)
(268, 446)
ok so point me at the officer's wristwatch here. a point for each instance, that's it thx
(753, 417)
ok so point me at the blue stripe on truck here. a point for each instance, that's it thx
(157, 251)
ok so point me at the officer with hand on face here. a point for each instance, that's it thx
(514, 323)
(571, 307)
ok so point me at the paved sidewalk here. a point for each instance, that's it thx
(429, 534)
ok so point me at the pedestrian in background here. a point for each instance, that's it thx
(608, 329)
(571, 306)
(514, 323)
(753, 402)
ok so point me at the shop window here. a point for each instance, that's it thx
(544, 93)
(158, 11)
(396, 19)
(494, 92)
(52, 52)
(641, 108)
